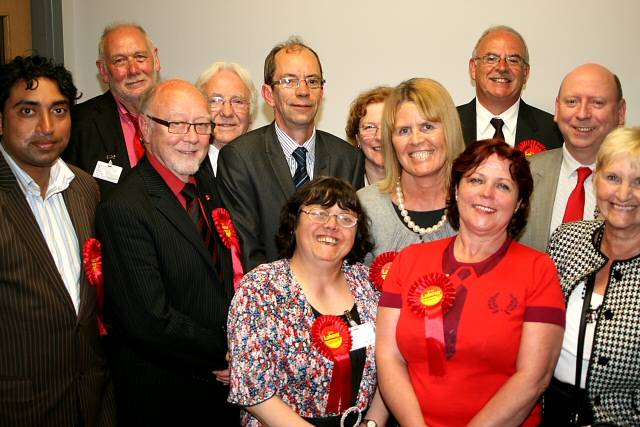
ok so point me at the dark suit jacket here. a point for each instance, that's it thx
(53, 371)
(166, 300)
(255, 183)
(96, 133)
(533, 123)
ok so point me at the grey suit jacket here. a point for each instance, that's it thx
(545, 169)
(52, 368)
(255, 182)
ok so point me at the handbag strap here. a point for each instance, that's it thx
(586, 305)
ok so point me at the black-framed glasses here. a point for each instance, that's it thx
(294, 82)
(493, 59)
(321, 216)
(204, 128)
(237, 103)
(369, 130)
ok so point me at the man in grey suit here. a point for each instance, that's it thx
(105, 140)
(259, 171)
(499, 67)
(52, 368)
(589, 106)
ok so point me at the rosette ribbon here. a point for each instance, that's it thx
(227, 232)
(531, 146)
(430, 297)
(331, 336)
(92, 263)
(380, 267)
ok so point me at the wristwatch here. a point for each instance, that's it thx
(369, 423)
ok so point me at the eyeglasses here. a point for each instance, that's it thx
(205, 128)
(237, 103)
(369, 130)
(294, 82)
(321, 216)
(493, 59)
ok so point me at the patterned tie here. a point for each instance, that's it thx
(497, 124)
(138, 148)
(300, 177)
(190, 193)
(575, 203)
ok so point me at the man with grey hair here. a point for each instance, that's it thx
(105, 138)
(232, 103)
(259, 171)
(499, 67)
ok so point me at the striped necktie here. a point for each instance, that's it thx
(300, 177)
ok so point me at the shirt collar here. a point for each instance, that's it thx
(571, 164)
(288, 144)
(509, 117)
(60, 177)
(173, 182)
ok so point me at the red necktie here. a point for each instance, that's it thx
(138, 148)
(575, 204)
(497, 124)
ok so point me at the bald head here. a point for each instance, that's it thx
(589, 106)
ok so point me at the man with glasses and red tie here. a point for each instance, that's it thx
(232, 103)
(589, 106)
(169, 270)
(499, 67)
(259, 171)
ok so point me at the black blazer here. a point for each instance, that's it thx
(533, 123)
(53, 371)
(255, 183)
(167, 302)
(96, 135)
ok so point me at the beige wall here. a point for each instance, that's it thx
(366, 43)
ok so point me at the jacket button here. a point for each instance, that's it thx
(602, 360)
(608, 314)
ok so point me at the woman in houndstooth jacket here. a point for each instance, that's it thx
(599, 261)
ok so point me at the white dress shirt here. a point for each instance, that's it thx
(484, 128)
(213, 158)
(288, 145)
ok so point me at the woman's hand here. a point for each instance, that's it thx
(223, 375)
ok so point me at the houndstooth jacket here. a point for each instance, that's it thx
(613, 377)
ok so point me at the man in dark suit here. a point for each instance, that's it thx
(105, 140)
(499, 67)
(259, 171)
(168, 274)
(52, 368)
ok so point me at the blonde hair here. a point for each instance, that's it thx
(435, 104)
(620, 141)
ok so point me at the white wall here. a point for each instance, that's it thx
(365, 43)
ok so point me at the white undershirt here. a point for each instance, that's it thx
(567, 179)
(484, 128)
(213, 158)
(566, 367)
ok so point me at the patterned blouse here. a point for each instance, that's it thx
(270, 342)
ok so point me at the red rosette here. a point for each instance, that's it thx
(430, 297)
(332, 337)
(92, 263)
(380, 268)
(531, 146)
(227, 232)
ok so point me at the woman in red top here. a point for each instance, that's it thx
(469, 328)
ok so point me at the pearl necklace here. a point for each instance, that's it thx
(407, 219)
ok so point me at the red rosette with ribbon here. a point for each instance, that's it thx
(92, 263)
(531, 146)
(227, 232)
(430, 297)
(331, 336)
(380, 267)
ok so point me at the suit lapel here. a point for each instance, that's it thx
(527, 126)
(19, 213)
(546, 180)
(322, 161)
(107, 121)
(468, 121)
(278, 162)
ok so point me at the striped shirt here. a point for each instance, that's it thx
(288, 145)
(54, 221)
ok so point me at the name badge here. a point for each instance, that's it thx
(362, 335)
(107, 172)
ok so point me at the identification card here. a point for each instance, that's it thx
(362, 335)
(107, 172)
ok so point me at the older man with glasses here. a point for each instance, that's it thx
(232, 103)
(259, 171)
(499, 67)
(168, 270)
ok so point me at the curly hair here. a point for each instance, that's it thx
(29, 69)
(471, 158)
(324, 191)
